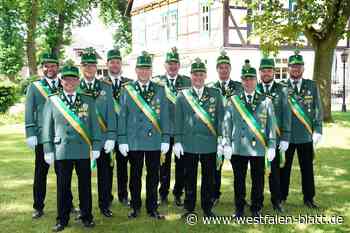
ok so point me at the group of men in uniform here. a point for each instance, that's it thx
(79, 121)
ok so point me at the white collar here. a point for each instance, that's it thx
(298, 84)
(87, 82)
(141, 84)
(270, 84)
(74, 94)
(49, 81)
(246, 95)
(226, 82)
(199, 91)
(115, 77)
(169, 77)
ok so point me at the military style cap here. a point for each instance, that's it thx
(296, 59)
(223, 58)
(172, 56)
(144, 60)
(198, 66)
(113, 54)
(248, 71)
(69, 69)
(267, 63)
(89, 56)
(48, 57)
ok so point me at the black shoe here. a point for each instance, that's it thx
(238, 214)
(278, 208)
(37, 214)
(58, 227)
(164, 201)
(134, 213)
(107, 213)
(178, 201)
(311, 205)
(155, 214)
(88, 224)
(256, 213)
(209, 213)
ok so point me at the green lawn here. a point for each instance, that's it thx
(332, 192)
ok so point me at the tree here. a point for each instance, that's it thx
(112, 12)
(11, 41)
(322, 22)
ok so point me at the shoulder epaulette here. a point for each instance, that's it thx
(106, 81)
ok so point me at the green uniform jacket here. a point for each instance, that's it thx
(34, 107)
(309, 99)
(240, 136)
(116, 94)
(182, 82)
(233, 88)
(190, 131)
(134, 128)
(279, 95)
(102, 93)
(60, 137)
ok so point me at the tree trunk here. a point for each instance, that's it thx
(323, 75)
(60, 30)
(30, 42)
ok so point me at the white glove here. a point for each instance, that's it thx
(32, 141)
(124, 149)
(220, 150)
(316, 138)
(109, 146)
(228, 152)
(164, 148)
(284, 146)
(95, 154)
(49, 158)
(271, 153)
(178, 150)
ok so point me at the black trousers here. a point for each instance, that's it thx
(136, 159)
(179, 185)
(165, 171)
(122, 174)
(275, 180)
(217, 183)
(40, 178)
(305, 156)
(208, 162)
(64, 170)
(257, 167)
(104, 180)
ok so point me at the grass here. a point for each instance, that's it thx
(332, 168)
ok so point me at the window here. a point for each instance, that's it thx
(169, 26)
(205, 18)
(281, 69)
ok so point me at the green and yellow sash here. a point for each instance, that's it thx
(169, 94)
(144, 107)
(75, 122)
(203, 115)
(253, 125)
(116, 106)
(101, 121)
(44, 91)
(300, 114)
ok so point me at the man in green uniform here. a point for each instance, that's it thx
(37, 95)
(306, 131)
(101, 91)
(228, 88)
(278, 93)
(173, 83)
(249, 134)
(70, 136)
(198, 115)
(117, 80)
(143, 134)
